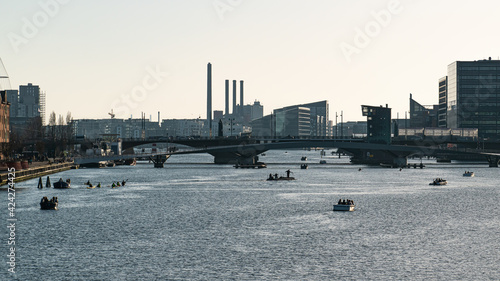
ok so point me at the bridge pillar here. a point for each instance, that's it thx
(493, 161)
(159, 160)
(400, 161)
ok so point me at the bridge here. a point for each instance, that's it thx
(246, 151)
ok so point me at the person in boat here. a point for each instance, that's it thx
(340, 202)
(117, 183)
(99, 184)
(276, 176)
(123, 183)
(60, 180)
(113, 185)
(288, 173)
(88, 182)
(270, 177)
(343, 202)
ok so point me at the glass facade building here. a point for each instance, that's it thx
(473, 96)
(443, 101)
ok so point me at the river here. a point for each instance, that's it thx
(194, 220)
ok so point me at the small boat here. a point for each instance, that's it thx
(468, 174)
(322, 161)
(438, 181)
(346, 206)
(303, 158)
(62, 184)
(303, 166)
(281, 178)
(258, 165)
(47, 204)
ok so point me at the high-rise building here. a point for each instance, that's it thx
(29, 101)
(443, 100)
(473, 95)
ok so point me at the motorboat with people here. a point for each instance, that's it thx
(275, 177)
(303, 166)
(304, 158)
(46, 204)
(62, 184)
(439, 181)
(468, 174)
(344, 205)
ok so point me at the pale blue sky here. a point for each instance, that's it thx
(92, 56)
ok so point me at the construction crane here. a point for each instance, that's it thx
(112, 114)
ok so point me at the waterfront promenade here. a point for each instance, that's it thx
(36, 169)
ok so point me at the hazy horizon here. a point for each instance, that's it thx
(90, 57)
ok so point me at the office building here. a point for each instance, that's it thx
(319, 117)
(443, 101)
(472, 93)
(422, 115)
(378, 124)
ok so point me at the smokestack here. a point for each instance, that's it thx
(227, 98)
(241, 98)
(234, 97)
(209, 97)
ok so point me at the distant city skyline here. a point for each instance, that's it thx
(90, 57)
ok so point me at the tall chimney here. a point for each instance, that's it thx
(227, 98)
(209, 97)
(241, 98)
(234, 97)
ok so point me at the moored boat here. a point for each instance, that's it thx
(258, 165)
(62, 184)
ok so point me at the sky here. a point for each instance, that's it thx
(91, 57)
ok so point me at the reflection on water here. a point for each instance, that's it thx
(203, 221)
